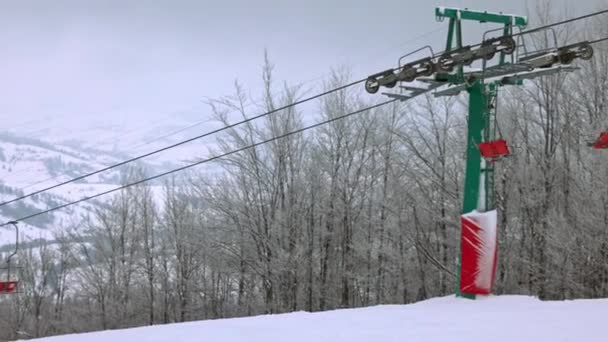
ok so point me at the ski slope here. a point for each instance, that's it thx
(496, 319)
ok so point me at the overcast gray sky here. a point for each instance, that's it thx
(128, 64)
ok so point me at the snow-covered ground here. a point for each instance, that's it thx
(496, 319)
(28, 165)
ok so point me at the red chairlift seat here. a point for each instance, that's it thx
(8, 286)
(601, 142)
(494, 150)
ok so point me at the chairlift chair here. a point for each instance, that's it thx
(601, 142)
(10, 283)
(494, 150)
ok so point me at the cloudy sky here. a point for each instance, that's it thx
(134, 64)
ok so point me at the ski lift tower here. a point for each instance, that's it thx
(478, 207)
(479, 245)
(478, 240)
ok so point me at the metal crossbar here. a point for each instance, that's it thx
(415, 91)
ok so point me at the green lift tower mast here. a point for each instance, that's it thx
(478, 247)
(479, 175)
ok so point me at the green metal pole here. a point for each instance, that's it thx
(451, 24)
(479, 176)
(474, 197)
(477, 110)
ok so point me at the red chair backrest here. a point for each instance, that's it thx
(8, 286)
(602, 141)
(494, 149)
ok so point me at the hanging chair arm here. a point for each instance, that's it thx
(14, 224)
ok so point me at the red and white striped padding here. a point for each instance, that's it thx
(478, 247)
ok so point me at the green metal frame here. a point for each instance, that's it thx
(479, 177)
(482, 17)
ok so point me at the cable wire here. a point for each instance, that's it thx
(198, 123)
(150, 141)
(540, 28)
(181, 142)
(536, 29)
(566, 21)
(267, 113)
(598, 40)
(204, 161)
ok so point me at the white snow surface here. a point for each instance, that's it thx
(493, 318)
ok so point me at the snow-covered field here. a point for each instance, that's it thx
(447, 319)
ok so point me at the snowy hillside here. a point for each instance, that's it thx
(27, 165)
(496, 319)
(25, 161)
(115, 133)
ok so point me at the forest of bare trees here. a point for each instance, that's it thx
(359, 212)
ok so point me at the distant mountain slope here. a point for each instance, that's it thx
(27, 165)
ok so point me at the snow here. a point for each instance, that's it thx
(27, 233)
(28, 165)
(494, 318)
